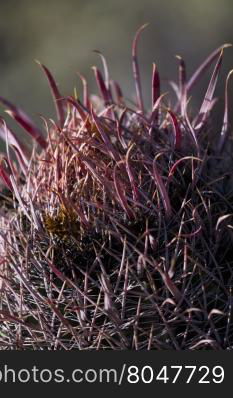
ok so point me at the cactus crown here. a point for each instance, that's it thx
(118, 233)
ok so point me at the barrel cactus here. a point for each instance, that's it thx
(116, 227)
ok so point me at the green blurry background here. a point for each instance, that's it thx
(62, 34)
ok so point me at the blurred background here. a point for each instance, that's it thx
(62, 34)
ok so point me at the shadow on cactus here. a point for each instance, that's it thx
(116, 232)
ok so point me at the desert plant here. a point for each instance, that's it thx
(117, 234)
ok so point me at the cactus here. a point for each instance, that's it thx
(116, 228)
